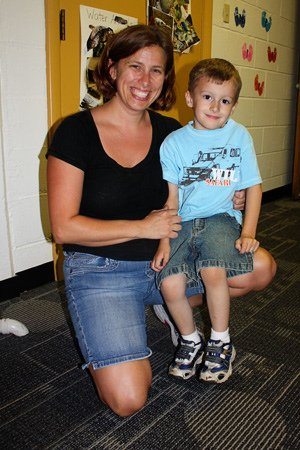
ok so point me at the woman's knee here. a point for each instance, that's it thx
(262, 275)
(264, 268)
(124, 387)
(125, 403)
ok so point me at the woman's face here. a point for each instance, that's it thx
(140, 77)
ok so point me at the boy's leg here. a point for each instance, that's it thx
(173, 291)
(220, 352)
(189, 352)
(217, 296)
(217, 259)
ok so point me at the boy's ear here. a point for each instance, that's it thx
(189, 99)
(233, 108)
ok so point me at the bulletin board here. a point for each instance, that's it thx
(63, 57)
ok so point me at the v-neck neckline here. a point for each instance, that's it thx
(113, 162)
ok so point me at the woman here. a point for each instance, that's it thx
(106, 203)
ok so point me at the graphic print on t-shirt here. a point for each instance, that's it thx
(216, 166)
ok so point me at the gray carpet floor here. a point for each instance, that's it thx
(48, 402)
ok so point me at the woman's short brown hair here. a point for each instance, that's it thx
(216, 69)
(124, 44)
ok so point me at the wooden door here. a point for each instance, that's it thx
(63, 58)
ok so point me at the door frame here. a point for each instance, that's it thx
(296, 166)
(52, 9)
(53, 75)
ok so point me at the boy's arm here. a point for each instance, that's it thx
(162, 254)
(247, 241)
(172, 202)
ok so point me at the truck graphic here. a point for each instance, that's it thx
(192, 174)
(212, 170)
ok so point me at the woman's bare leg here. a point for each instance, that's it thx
(124, 387)
(262, 275)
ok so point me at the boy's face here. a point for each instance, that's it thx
(212, 101)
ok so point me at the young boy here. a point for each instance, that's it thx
(204, 163)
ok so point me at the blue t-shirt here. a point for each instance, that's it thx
(208, 166)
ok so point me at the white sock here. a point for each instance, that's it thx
(220, 335)
(195, 337)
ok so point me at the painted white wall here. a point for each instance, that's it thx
(270, 117)
(23, 102)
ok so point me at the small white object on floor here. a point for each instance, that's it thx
(13, 326)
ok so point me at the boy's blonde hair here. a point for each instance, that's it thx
(215, 69)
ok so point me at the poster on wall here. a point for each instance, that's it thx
(175, 17)
(96, 26)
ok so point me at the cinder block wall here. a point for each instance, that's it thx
(24, 225)
(269, 113)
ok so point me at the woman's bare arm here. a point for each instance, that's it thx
(65, 184)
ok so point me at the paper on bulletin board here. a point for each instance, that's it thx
(175, 16)
(96, 26)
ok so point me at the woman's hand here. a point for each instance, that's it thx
(239, 200)
(160, 224)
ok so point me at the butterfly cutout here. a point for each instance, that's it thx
(247, 53)
(272, 55)
(259, 87)
(240, 19)
(265, 22)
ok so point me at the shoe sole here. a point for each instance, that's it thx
(177, 373)
(167, 323)
(213, 377)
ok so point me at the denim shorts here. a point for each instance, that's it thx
(208, 242)
(106, 300)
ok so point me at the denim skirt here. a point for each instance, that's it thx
(106, 301)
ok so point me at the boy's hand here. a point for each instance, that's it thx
(246, 244)
(160, 259)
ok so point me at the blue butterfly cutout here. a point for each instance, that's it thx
(240, 19)
(265, 22)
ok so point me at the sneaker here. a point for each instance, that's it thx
(187, 358)
(163, 316)
(218, 361)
